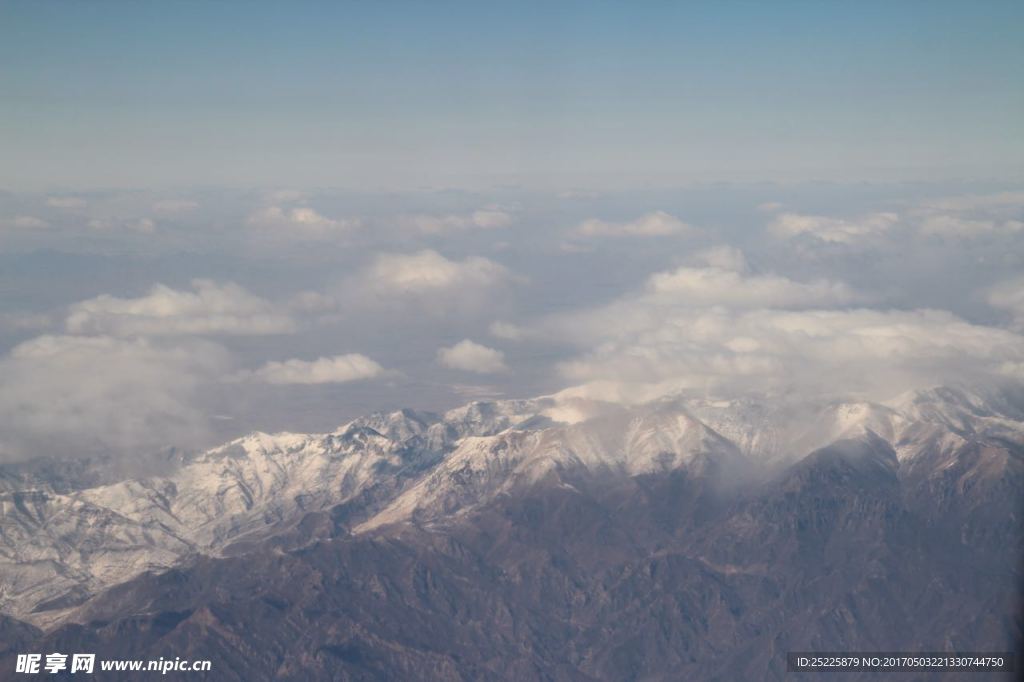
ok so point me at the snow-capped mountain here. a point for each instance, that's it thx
(60, 546)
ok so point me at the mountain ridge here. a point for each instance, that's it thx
(59, 549)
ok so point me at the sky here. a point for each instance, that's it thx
(408, 94)
(223, 217)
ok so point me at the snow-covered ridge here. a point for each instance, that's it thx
(57, 547)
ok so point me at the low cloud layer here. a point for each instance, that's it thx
(835, 230)
(338, 369)
(210, 308)
(654, 224)
(470, 356)
(732, 286)
(723, 329)
(299, 222)
(1009, 296)
(481, 219)
(820, 290)
(427, 273)
(100, 395)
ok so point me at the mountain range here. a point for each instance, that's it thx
(554, 538)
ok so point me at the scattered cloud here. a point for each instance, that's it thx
(73, 395)
(328, 370)
(973, 202)
(1009, 296)
(957, 226)
(508, 331)
(427, 272)
(723, 257)
(66, 202)
(655, 224)
(143, 225)
(285, 196)
(175, 205)
(25, 222)
(210, 308)
(726, 283)
(815, 351)
(469, 356)
(579, 194)
(834, 230)
(299, 221)
(483, 219)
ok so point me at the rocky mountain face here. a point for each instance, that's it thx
(541, 539)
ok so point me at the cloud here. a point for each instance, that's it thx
(833, 230)
(23, 321)
(579, 194)
(469, 356)
(972, 216)
(285, 196)
(299, 221)
(66, 202)
(715, 286)
(333, 370)
(655, 224)
(957, 226)
(973, 202)
(211, 308)
(723, 257)
(726, 283)
(428, 272)
(508, 331)
(175, 205)
(72, 395)
(819, 352)
(1009, 296)
(143, 225)
(484, 219)
(25, 222)
(725, 330)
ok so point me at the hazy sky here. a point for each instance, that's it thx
(224, 216)
(402, 94)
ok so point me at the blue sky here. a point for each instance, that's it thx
(397, 95)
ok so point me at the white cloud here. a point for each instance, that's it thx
(958, 226)
(725, 330)
(833, 230)
(508, 331)
(211, 308)
(71, 395)
(726, 283)
(469, 356)
(818, 351)
(1009, 296)
(972, 202)
(972, 216)
(285, 196)
(66, 202)
(25, 222)
(723, 257)
(300, 221)
(428, 272)
(484, 219)
(579, 194)
(332, 370)
(655, 224)
(143, 225)
(770, 206)
(175, 205)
